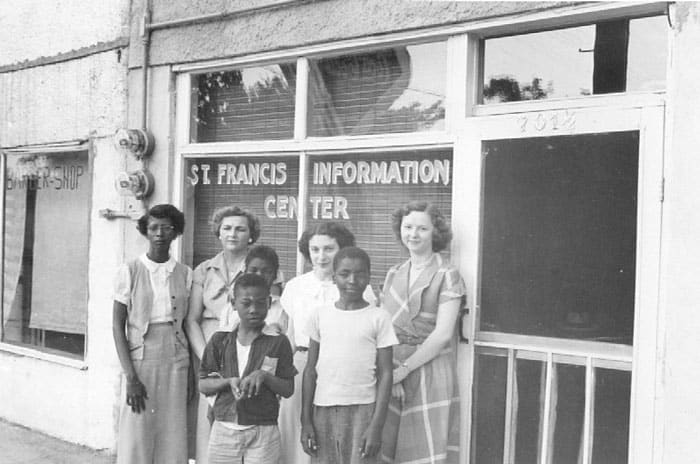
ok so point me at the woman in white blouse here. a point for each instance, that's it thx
(150, 304)
(318, 244)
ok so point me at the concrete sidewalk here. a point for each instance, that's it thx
(20, 445)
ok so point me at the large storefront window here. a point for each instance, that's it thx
(265, 185)
(253, 103)
(46, 251)
(400, 89)
(625, 55)
(362, 190)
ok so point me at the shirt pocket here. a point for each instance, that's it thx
(269, 364)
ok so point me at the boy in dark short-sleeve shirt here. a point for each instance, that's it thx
(246, 370)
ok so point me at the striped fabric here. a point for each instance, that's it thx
(425, 428)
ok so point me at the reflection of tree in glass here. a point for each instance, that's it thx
(507, 89)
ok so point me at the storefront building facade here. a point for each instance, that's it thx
(557, 137)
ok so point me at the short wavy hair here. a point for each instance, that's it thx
(163, 211)
(227, 211)
(442, 234)
(335, 230)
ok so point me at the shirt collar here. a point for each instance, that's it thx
(218, 262)
(152, 266)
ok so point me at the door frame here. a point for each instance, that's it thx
(642, 112)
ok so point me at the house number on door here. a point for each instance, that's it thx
(548, 121)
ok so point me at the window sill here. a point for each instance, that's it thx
(79, 364)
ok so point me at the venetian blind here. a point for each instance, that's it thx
(364, 203)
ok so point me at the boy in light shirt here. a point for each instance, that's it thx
(348, 376)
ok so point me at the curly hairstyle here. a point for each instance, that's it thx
(266, 253)
(335, 230)
(227, 211)
(441, 234)
(164, 211)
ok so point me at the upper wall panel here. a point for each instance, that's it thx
(293, 24)
(30, 29)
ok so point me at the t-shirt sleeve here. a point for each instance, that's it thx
(385, 330)
(452, 286)
(312, 329)
(285, 363)
(122, 285)
(210, 359)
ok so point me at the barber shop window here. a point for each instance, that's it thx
(45, 254)
(625, 55)
(399, 89)
(253, 103)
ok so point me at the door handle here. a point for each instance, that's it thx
(464, 311)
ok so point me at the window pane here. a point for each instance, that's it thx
(401, 89)
(45, 304)
(612, 416)
(615, 56)
(267, 186)
(255, 103)
(490, 408)
(559, 236)
(362, 190)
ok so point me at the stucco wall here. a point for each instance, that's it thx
(34, 28)
(79, 99)
(299, 24)
(680, 303)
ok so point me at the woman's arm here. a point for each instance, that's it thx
(435, 342)
(308, 390)
(136, 394)
(194, 319)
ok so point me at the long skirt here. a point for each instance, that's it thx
(425, 429)
(290, 418)
(157, 435)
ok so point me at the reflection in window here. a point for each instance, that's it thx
(614, 56)
(253, 103)
(401, 89)
(559, 236)
(45, 267)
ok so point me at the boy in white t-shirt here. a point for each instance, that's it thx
(348, 376)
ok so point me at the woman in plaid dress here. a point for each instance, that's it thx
(423, 295)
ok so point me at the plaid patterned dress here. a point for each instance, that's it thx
(425, 429)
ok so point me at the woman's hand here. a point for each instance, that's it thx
(136, 395)
(398, 392)
(400, 373)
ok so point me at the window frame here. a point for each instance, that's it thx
(28, 350)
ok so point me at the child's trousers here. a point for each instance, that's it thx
(259, 444)
(339, 432)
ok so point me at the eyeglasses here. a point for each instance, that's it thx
(154, 228)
